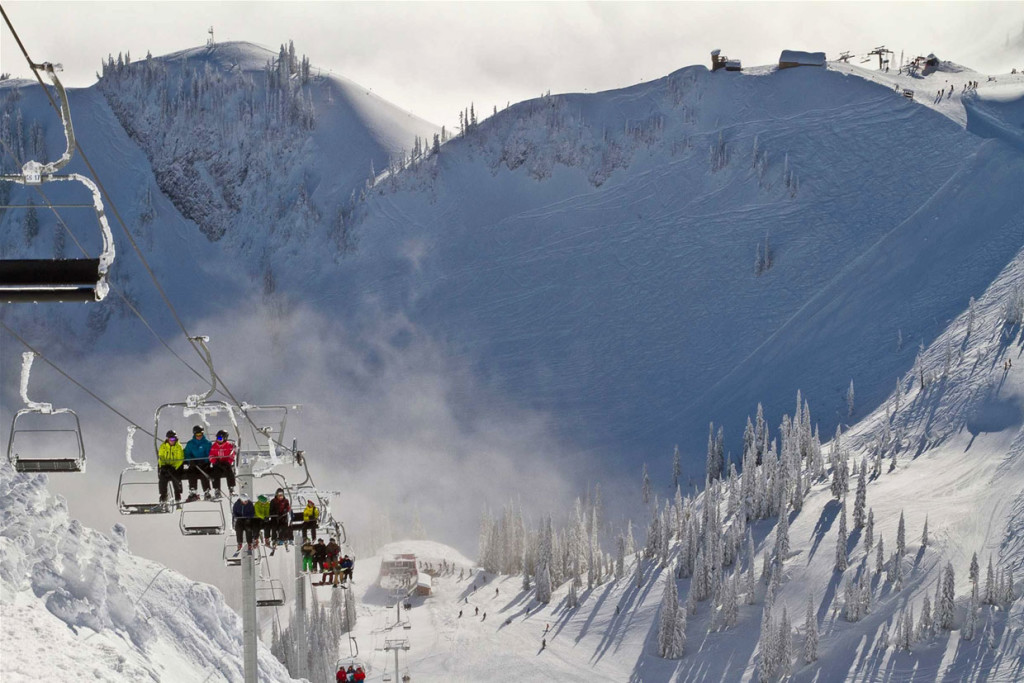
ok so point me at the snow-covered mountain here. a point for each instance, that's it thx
(563, 292)
(76, 603)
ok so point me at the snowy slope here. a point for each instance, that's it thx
(593, 255)
(958, 463)
(77, 604)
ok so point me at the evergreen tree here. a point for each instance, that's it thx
(543, 592)
(924, 534)
(946, 607)
(677, 469)
(880, 556)
(849, 400)
(811, 629)
(645, 488)
(869, 530)
(901, 537)
(860, 500)
(668, 630)
(785, 644)
(842, 560)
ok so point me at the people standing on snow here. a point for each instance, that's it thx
(307, 555)
(243, 513)
(170, 457)
(280, 513)
(261, 523)
(310, 519)
(197, 464)
(484, 616)
(222, 463)
(460, 614)
(543, 643)
(319, 555)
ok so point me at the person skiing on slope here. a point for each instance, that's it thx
(243, 512)
(222, 463)
(170, 457)
(197, 463)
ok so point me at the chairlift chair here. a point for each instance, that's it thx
(269, 593)
(138, 485)
(202, 518)
(58, 280)
(39, 429)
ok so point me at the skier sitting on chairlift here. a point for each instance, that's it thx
(310, 519)
(261, 522)
(222, 463)
(243, 513)
(319, 555)
(307, 555)
(333, 550)
(280, 513)
(169, 459)
(197, 464)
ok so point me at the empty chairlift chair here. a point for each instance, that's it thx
(202, 518)
(58, 280)
(269, 593)
(44, 438)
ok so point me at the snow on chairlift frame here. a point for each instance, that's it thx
(62, 433)
(58, 280)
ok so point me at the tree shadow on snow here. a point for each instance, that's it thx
(828, 515)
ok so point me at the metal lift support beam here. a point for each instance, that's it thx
(249, 625)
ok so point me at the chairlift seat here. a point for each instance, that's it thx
(205, 521)
(63, 434)
(50, 280)
(51, 465)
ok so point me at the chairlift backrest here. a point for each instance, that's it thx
(38, 431)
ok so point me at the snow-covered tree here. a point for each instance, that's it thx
(543, 592)
(849, 400)
(901, 537)
(645, 486)
(677, 469)
(811, 629)
(924, 534)
(842, 559)
(945, 610)
(869, 530)
(671, 638)
(861, 497)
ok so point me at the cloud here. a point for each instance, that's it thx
(387, 417)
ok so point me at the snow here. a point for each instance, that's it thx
(74, 600)
(591, 256)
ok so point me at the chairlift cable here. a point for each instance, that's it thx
(74, 381)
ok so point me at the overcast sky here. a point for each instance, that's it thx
(434, 58)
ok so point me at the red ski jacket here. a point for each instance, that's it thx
(222, 452)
